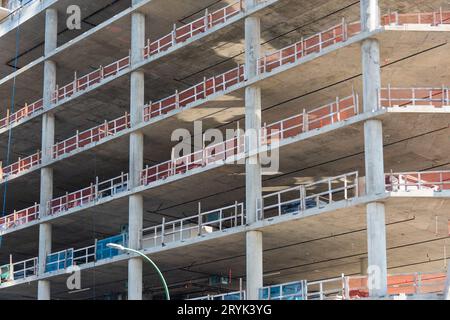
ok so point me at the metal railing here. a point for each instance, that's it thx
(19, 270)
(22, 113)
(93, 135)
(356, 287)
(184, 33)
(329, 289)
(195, 226)
(21, 165)
(238, 295)
(209, 155)
(307, 46)
(411, 181)
(314, 195)
(397, 97)
(432, 18)
(286, 291)
(95, 192)
(197, 92)
(19, 217)
(337, 111)
(338, 34)
(90, 79)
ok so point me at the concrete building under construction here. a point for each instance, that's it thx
(253, 149)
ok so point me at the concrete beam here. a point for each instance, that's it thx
(136, 210)
(48, 139)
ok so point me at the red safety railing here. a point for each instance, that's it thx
(21, 165)
(313, 44)
(93, 135)
(432, 18)
(209, 155)
(409, 284)
(197, 92)
(22, 113)
(86, 196)
(337, 111)
(87, 81)
(411, 181)
(397, 97)
(19, 217)
(184, 33)
(341, 33)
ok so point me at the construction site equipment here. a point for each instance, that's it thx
(288, 291)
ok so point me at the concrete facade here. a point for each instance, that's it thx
(218, 227)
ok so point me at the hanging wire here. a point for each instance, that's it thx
(13, 98)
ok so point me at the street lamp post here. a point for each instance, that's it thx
(161, 277)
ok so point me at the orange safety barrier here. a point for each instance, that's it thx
(409, 181)
(317, 118)
(210, 154)
(72, 200)
(96, 134)
(392, 97)
(341, 33)
(197, 92)
(416, 283)
(19, 217)
(186, 32)
(95, 77)
(22, 113)
(432, 18)
(88, 195)
(21, 165)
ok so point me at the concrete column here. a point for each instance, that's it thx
(48, 139)
(254, 264)
(374, 161)
(135, 219)
(253, 177)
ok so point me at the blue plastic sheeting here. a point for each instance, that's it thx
(294, 206)
(103, 252)
(232, 296)
(59, 261)
(291, 291)
(4, 274)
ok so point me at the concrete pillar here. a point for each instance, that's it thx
(253, 177)
(135, 219)
(374, 162)
(254, 264)
(48, 139)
